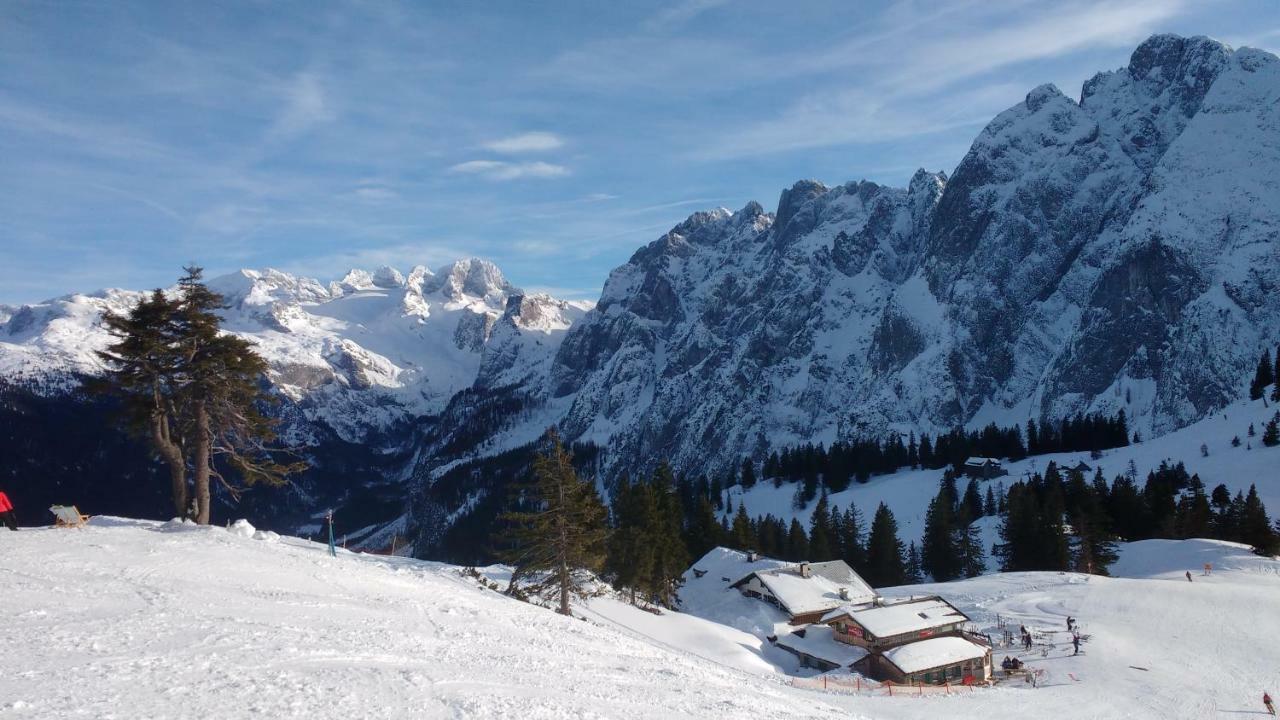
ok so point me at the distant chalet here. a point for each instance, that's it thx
(981, 468)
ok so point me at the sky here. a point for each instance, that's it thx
(551, 138)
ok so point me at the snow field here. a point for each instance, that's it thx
(136, 619)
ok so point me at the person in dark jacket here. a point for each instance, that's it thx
(7, 515)
(1266, 700)
(1075, 640)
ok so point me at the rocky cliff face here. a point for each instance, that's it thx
(1116, 252)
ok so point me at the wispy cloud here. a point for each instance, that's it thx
(502, 170)
(906, 94)
(681, 12)
(305, 106)
(526, 143)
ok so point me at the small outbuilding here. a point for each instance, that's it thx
(983, 468)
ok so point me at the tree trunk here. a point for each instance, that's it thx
(563, 550)
(172, 456)
(203, 451)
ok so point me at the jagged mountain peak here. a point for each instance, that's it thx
(470, 277)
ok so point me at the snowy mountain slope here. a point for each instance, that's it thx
(1116, 252)
(359, 355)
(139, 619)
(907, 493)
(273, 626)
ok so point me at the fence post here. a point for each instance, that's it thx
(824, 682)
(890, 689)
(859, 683)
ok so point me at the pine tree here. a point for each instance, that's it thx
(740, 536)
(142, 368)
(797, 542)
(989, 507)
(973, 561)
(630, 557)
(748, 478)
(914, 575)
(1262, 376)
(820, 532)
(670, 555)
(221, 385)
(972, 500)
(1271, 435)
(939, 555)
(201, 394)
(885, 564)
(560, 532)
(852, 548)
(1255, 528)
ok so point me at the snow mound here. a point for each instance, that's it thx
(242, 528)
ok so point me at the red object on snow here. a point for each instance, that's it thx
(5, 505)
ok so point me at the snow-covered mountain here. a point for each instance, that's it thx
(359, 354)
(1117, 251)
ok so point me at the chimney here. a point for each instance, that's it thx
(804, 569)
(844, 593)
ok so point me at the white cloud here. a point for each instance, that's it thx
(502, 170)
(526, 143)
(306, 105)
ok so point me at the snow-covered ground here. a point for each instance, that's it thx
(138, 619)
(907, 492)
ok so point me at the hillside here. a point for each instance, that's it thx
(160, 620)
(907, 492)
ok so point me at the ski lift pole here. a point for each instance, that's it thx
(333, 550)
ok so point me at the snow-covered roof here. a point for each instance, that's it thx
(932, 653)
(723, 562)
(820, 591)
(820, 641)
(902, 617)
(979, 461)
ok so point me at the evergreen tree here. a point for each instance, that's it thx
(142, 368)
(1271, 435)
(885, 564)
(559, 530)
(1262, 377)
(852, 550)
(201, 392)
(972, 500)
(670, 554)
(748, 478)
(1255, 528)
(797, 542)
(740, 536)
(821, 536)
(973, 561)
(939, 554)
(989, 506)
(630, 557)
(914, 574)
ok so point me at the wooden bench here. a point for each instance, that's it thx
(68, 516)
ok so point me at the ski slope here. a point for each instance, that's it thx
(907, 493)
(137, 619)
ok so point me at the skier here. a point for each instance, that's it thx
(1075, 640)
(1266, 700)
(1071, 623)
(1188, 576)
(6, 512)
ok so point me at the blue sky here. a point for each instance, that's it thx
(552, 138)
